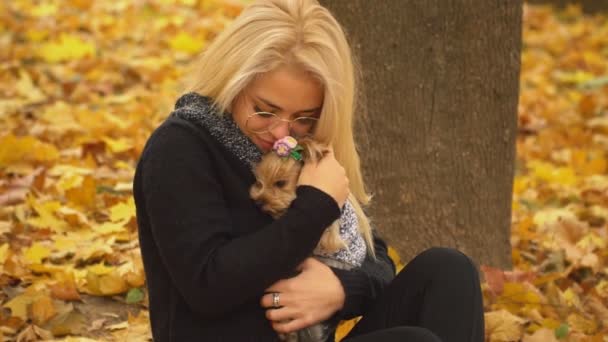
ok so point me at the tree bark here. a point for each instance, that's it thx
(438, 121)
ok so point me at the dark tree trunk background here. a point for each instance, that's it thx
(439, 119)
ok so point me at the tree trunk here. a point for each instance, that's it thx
(438, 119)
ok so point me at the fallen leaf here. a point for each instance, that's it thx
(503, 326)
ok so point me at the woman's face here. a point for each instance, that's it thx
(289, 93)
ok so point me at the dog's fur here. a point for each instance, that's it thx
(274, 191)
(276, 184)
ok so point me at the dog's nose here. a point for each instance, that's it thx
(259, 203)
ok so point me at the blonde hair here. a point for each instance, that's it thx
(273, 33)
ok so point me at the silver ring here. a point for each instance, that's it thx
(275, 299)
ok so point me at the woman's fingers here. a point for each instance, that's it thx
(282, 314)
(267, 300)
(288, 326)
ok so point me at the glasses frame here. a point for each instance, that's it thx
(271, 126)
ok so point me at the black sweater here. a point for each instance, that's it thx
(209, 252)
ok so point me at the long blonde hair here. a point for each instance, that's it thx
(273, 33)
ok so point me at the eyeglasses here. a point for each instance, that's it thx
(264, 122)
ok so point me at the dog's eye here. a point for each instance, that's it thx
(258, 184)
(280, 184)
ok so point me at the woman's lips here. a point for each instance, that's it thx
(265, 144)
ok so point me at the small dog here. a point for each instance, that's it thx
(277, 175)
(276, 184)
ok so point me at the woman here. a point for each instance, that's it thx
(217, 267)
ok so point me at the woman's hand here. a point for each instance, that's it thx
(326, 175)
(311, 297)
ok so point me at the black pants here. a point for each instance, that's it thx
(436, 297)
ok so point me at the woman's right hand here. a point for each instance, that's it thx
(328, 176)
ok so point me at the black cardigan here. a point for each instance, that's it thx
(209, 252)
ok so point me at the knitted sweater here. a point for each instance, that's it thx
(209, 252)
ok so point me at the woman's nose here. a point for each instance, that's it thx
(281, 130)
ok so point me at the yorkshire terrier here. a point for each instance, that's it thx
(274, 190)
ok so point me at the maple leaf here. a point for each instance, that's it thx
(67, 47)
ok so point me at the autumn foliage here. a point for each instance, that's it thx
(558, 289)
(83, 84)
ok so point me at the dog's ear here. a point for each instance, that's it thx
(313, 150)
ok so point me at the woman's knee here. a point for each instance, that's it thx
(447, 259)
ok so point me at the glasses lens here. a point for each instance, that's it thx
(261, 122)
(304, 123)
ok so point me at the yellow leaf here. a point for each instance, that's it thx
(118, 326)
(553, 174)
(118, 145)
(25, 149)
(68, 181)
(64, 243)
(45, 268)
(73, 216)
(345, 327)
(518, 296)
(18, 305)
(107, 284)
(61, 169)
(133, 273)
(602, 288)
(552, 216)
(392, 253)
(43, 10)
(120, 164)
(591, 241)
(100, 269)
(582, 324)
(3, 253)
(123, 211)
(119, 122)
(42, 309)
(571, 298)
(576, 77)
(109, 227)
(68, 47)
(589, 162)
(65, 288)
(551, 323)
(60, 118)
(46, 217)
(36, 253)
(26, 88)
(84, 195)
(123, 186)
(520, 184)
(94, 249)
(503, 326)
(35, 35)
(184, 42)
(541, 335)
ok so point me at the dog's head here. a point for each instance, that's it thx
(277, 177)
(275, 184)
(313, 150)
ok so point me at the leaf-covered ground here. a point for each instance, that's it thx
(559, 287)
(82, 85)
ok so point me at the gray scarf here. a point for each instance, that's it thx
(198, 109)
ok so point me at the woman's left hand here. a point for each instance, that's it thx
(311, 297)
